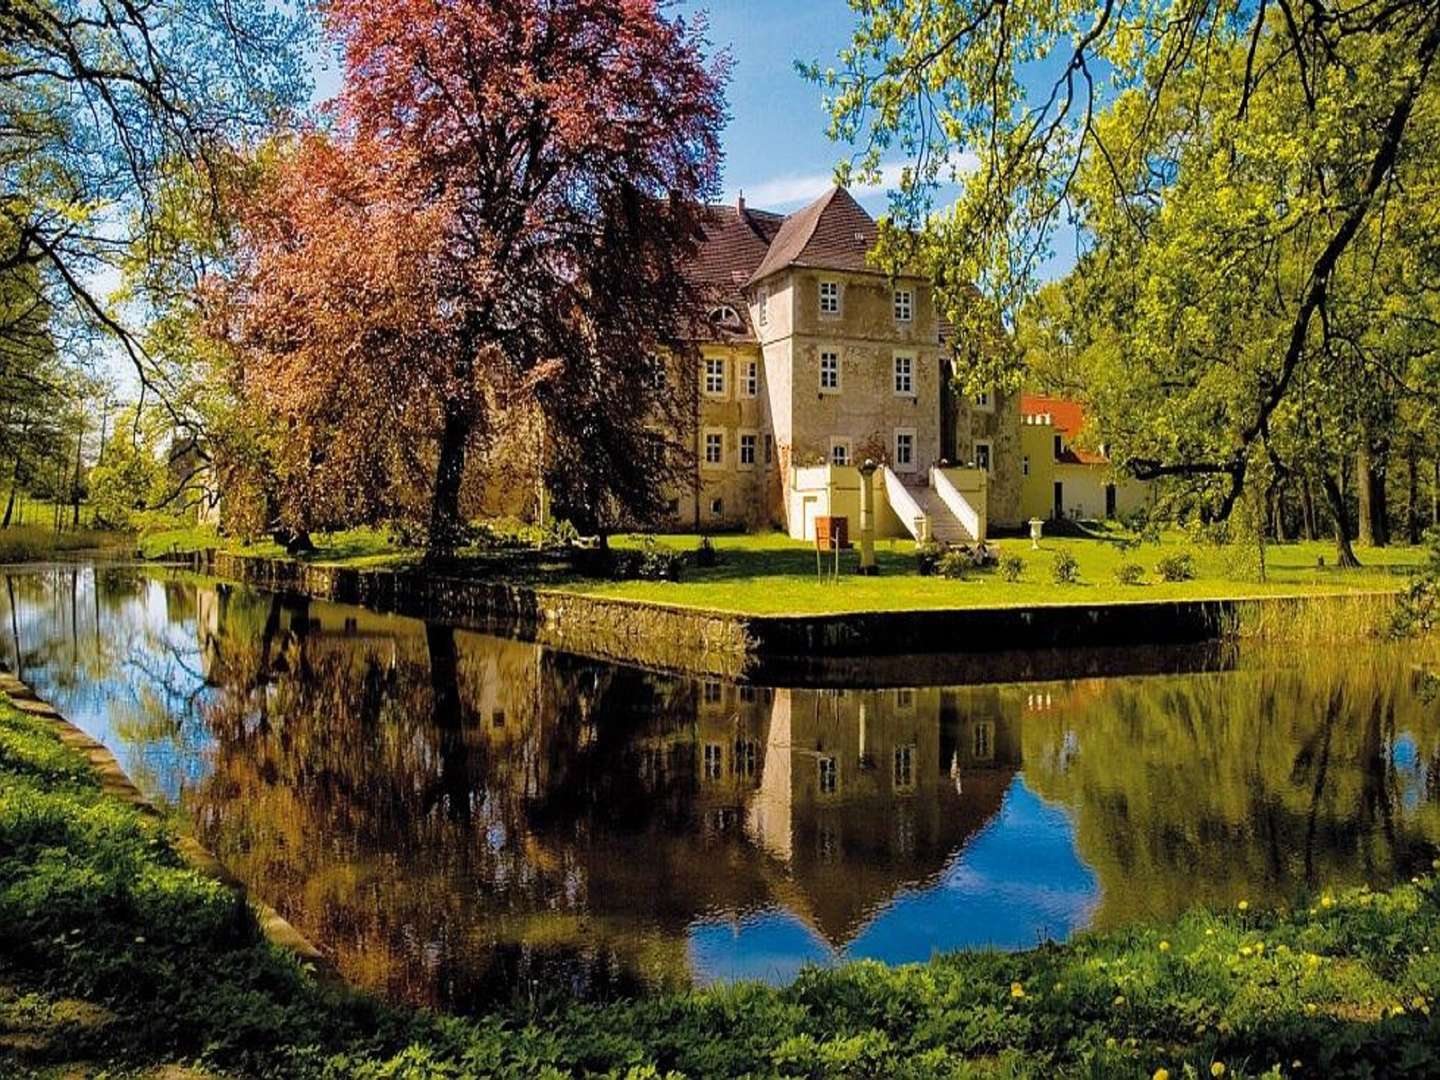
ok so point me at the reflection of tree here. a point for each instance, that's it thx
(1262, 784)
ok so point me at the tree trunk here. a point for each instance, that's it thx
(1370, 465)
(75, 483)
(14, 486)
(446, 526)
(1280, 530)
(1307, 509)
(1412, 493)
(1344, 553)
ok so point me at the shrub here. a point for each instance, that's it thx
(927, 555)
(705, 554)
(1130, 574)
(1012, 568)
(1065, 570)
(650, 562)
(957, 563)
(1178, 567)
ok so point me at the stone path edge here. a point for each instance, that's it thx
(115, 783)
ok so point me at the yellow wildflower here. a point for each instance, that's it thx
(1245, 950)
(1327, 901)
(1164, 946)
(1016, 990)
(1217, 1069)
(1161, 1074)
(1244, 905)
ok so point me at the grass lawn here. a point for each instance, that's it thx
(768, 573)
(771, 574)
(116, 958)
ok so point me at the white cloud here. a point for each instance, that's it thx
(791, 189)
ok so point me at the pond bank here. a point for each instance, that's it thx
(725, 644)
(113, 953)
(116, 785)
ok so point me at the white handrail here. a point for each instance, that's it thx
(957, 504)
(905, 506)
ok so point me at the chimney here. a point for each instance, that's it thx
(740, 203)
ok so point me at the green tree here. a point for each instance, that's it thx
(1243, 173)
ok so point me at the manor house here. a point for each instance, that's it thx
(811, 362)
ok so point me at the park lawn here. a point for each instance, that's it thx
(769, 574)
(116, 957)
(772, 574)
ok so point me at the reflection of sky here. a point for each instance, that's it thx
(1019, 881)
(126, 671)
(1410, 772)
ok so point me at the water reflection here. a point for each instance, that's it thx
(457, 816)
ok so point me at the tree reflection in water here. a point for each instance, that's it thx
(458, 816)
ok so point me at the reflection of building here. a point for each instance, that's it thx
(416, 793)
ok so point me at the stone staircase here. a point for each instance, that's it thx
(944, 526)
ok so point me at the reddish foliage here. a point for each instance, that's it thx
(497, 224)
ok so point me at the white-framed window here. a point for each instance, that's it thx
(749, 378)
(713, 692)
(985, 402)
(984, 459)
(904, 767)
(905, 374)
(828, 775)
(904, 305)
(829, 371)
(746, 759)
(769, 449)
(839, 451)
(829, 298)
(904, 449)
(714, 761)
(749, 444)
(905, 699)
(715, 376)
(762, 306)
(712, 448)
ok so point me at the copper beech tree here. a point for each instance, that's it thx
(495, 226)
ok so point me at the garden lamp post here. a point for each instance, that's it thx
(867, 518)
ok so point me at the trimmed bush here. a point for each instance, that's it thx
(1012, 568)
(927, 556)
(1130, 574)
(1177, 567)
(1065, 570)
(957, 563)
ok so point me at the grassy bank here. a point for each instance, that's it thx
(114, 955)
(35, 543)
(768, 573)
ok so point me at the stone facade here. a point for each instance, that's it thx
(816, 358)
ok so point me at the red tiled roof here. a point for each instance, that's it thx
(1068, 419)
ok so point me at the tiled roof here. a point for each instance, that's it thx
(743, 246)
(1068, 419)
(833, 232)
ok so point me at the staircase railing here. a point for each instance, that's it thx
(955, 501)
(906, 508)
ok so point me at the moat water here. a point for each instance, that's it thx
(458, 818)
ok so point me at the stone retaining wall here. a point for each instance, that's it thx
(714, 643)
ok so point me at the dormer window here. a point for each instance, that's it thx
(904, 305)
(829, 298)
(726, 318)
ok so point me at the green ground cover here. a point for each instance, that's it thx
(114, 956)
(771, 574)
(768, 573)
(33, 543)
